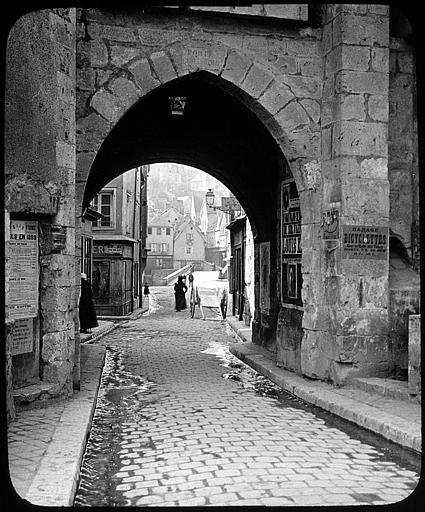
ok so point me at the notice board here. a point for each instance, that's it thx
(365, 242)
(23, 278)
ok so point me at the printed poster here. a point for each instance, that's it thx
(23, 280)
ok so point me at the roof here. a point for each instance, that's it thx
(237, 223)
(187, 221)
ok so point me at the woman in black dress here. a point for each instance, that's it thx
(179, 292)
(87, 313)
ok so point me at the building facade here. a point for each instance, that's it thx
(189, 245)
(160, 243)
(119, 244)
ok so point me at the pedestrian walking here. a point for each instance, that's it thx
(86, 310)
(180, 290)
(146, 289)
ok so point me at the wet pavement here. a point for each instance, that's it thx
(180, 422)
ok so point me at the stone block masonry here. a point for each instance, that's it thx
(40, 180)
(338, 100)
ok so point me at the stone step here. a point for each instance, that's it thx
(390, 388)
(35, 392)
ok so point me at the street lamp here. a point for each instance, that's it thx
(210, 197)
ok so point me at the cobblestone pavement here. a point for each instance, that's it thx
(180, 434)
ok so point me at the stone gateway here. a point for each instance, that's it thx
(307, 113)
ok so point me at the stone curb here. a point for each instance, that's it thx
(57, 477)
(338, 402)
(91, 338)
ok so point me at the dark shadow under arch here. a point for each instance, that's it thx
(218, 133)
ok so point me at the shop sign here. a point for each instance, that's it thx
(365, 242)
(22, 337)
(23, 280)
(108, 249)
(230, 204)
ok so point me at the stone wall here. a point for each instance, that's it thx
(40, 169)
(403, 149)
(346, 330)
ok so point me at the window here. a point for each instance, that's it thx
(189, 237)
(154, 247)
(104, 204)
(164, 247)
(188, 250)
(149, 231)
(158, 231)
(168, 231)
(86, 256)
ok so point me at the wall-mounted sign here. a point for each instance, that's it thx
(23, 279)
(290, 243)
(330, 223)
(265, 277)
(230, 204)
(365, 242)
(23, 336)
(108, 249)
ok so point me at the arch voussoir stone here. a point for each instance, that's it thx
(107, 105)
(142, 73)
(236, 67)
(275, 97)
(125, 91)
(292, 116)
(91, 130)
(163, 67)
(256, 81)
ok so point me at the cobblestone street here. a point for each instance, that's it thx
(180, 421)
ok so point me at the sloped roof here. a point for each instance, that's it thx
(181, 227)
(159, 219)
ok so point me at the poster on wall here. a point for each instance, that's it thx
(23, 280)
(365, 242)
(290, 243)
(22, 337)
(265, 277)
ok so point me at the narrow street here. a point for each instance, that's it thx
(182, 422)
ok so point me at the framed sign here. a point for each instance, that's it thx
(23, 279)
(23, 337)
(365, 242)
(290, 244)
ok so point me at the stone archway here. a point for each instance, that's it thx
(119, 73)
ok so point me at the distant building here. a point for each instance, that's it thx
(119, 250)
(213, 223)
(160, 241)
(189, 245)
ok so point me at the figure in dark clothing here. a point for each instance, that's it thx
(146, 291)
(179, 292)
(86, 309)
